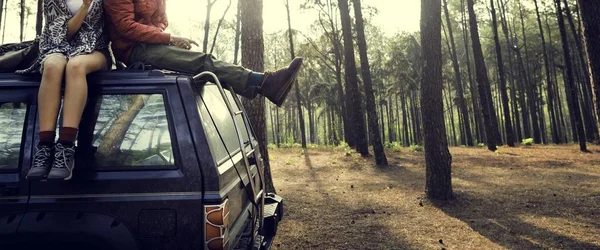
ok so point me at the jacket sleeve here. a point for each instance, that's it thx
(164, 22)
(121, 14)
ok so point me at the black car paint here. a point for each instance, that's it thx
(117, 198)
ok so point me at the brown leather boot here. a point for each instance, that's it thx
(277, 85)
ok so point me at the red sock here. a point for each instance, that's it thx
(47, 137)
(68, 134)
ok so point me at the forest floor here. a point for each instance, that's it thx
(539, 197)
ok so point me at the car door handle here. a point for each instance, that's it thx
(8, 191)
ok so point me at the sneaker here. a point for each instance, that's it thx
(64, 162)
(277, 85)
(42, 161)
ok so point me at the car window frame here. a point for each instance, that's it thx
(227, 162)
(28, 97)
(142, 90)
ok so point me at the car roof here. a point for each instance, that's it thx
(106, 78)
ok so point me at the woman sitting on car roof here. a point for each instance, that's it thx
(73, 44)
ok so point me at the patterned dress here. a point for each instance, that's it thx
(89, 38)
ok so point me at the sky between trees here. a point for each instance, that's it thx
(392, 16)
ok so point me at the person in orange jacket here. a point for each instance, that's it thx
(137, 31)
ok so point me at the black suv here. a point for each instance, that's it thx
(164, 161)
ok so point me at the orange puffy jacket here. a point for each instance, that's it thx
(135, 21)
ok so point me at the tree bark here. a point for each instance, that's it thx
(353, 102)
(219, 24)
(549, 88)
(513, 89)
(293, 55)
(1, 14)
(472, 89)
(437, 156)
(380, 158)
(111, 144)
(253, 59)
(572, 90)
(482, 79)
(4, 20)
(589, 10)
(209, 5)
(458, 83)
(238, 32)
(510, 138)
(38, 18)
(22, 20)
(590, 125)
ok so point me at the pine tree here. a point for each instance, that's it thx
(437, 156)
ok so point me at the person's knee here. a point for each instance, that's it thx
(76, 68)
(54, 66)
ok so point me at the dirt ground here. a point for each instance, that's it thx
(539, 197)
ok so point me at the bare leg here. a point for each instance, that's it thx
(76, 85)
(49, 92)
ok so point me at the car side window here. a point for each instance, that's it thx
(216, 120)
(132, 130)
(12, 121)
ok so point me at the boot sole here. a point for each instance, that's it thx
(36, 177)
(283, 95)
(63, 178)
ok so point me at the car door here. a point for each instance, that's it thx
(135, 162)
(17, 116)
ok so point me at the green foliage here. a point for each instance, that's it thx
(395, 146)
(290, 145)
(527, 142)
(343, 145)
(416, 148)
(346, 148)
(271, 146)
(481, 144)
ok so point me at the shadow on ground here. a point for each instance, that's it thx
(513, 200)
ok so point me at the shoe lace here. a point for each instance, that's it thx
(61, 155)
(41, 156)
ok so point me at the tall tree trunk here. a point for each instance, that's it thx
(209, 5)
(529, 83)
(2, 14)
(437, 157)
(482, 79)
(4, 20)
(462, 104)
(115, 135)
(337, 52)
(273, 136)
(510, 138)
(278, 128)
(380, 158)
(589, 10)
(253, 59)
(238, 32)
(353, 102)
(451, 120)
(293, 55)
(472, 89)
(576, 112)
(406, 140)
(513, 89)
(38, 17)
(219, 24)
(22, 22)
(591, 129)
(549, 88)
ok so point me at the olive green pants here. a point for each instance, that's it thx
(193, 62)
